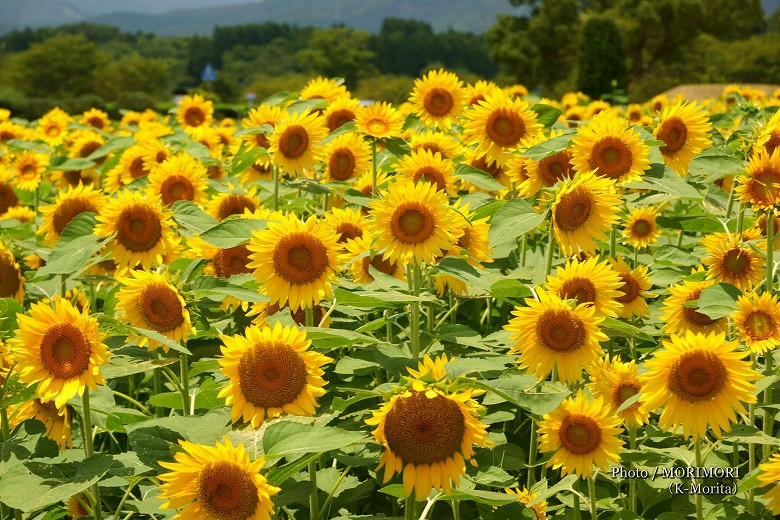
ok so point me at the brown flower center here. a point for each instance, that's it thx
(10, 277)
(578, 288)
(624, 392)
(234, 204)
(294, 142)
(65, 351)
(160, 307)
(760, 325)
(348, 231)
(612, 156)
(341, 164)
(673, 132)
(138, 228)
(136, 168)
(432, 175)
(272, 376)
(412, 223)
(176, 187)
(573, 209)
(736, 263)
(438, 102)
(339, 117)
(67, 211)
(226, 491)
(697, 376)
(579, 434)
(556, 167)
(7, 197)
(560, 330)
(630, 288)
(194, 116)
(505, 127)
(230, 261)
(300, 258)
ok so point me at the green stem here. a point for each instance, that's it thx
(373, 168)
(409, 508)
(592, 494)
(414, 327)
(388, 326)
(768, 413)
(699, 461)
(770, 238)
(133, 401)
(523, 249)
(550, 254)
(576, 487)
(632, 482)
(452, 312)
(636, 257)
(63, 288)
(680, 236)
(751, 447)
(157, 387)
(326, 504)
(489, 313)
(6, 435)
(184, 375)
(309, 316)
(314, 506)
(130, 487)
(613, 241)
(730, 204)
(275, 171)
(740, 220)
(455, 509)
(532, 450)
(97, 512)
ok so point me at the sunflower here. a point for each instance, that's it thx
(345, 157)
(324, 88)
(379, 120)
(56, 420)
(262, 311)
(362, 258)
(524, 496)
(261, 115)
(414, 223)
(685, 129)
(581, 433)
(677, 317)
(497, 170)
(155, 152)
(584, 209)
(208, 137)
(438, 98)
(640, 229)
(8, 198)
(365, 183)
(658, 104)
(498, 124)
(148, 300)
(28, 168)
(85, 143)
(761, 185)
(144, 230)
(701, 381)
(20, 213)
(76, 506)
(757, 320)
(769, 137)
(473, 244)
(226, 204)
(769, 474)
(340, 111)
(53, 126)
(348, 223)
(428, 167)
(133, 163)
(292, 143)
(573, 116)
(616, 382)
(271, 371)
(181, 177)
(428, 431)
(736, 263)
(635, 289)
(295, 261)
(207, 483)
(760, 225)
(11, 278)
(590, 282)
(550, 332)
(60, 349)
(635, 113)
(67, 205)
(96, 118)
(445, 144)
(608, 145)
(10, 130)
(516, 91)
(480, 90)
(194, 111)
(546, 172)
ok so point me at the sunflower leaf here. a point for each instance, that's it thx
(478, 178)
(189, 216)
(232, 232)
(719, 300)
(545, 114)
(512, 220)
(290, 439)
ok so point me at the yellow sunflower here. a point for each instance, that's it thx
(225, 204)
(76, 506)
(148, 300)
(769, 474)
(348, 223)
(60, 349)
(361, 257)
(210, 138)
(96, 118)
(20, 213)
(67, 205)
(701, 381)
(132, 163)
(29, 168)
(473, 244)
(292, 143)
(144, 230)
(685, 129)
(497, 170)
(379, 120)
(581, 433)
(85, 143)
(263, 311)
(635, 113)
(736, 263)
(364, 184)
(616, 382)
(271, 371)
(206, 483)
(340, 111)
(551, 332)
(294, 261)
(181, 177)
(324, 88)
(677, 317)
(53, 126)
(598, 106)
(546, 172)
(760, 225)
(584, 210)
(640, 229)
(56, 420)
(413, 223)
(445, 144)
(345, 157)
(757, 320)
(635, 289)
(194, 111)
(590, 282)
(10, 130)
(8, 198)
(258, 116)
(155, 152)
(429, 167)
(760, 186)
(573, 116)
(11, 277)
(498, 124)
(480, 90)
(608, 145)
(769, 136)
(438, 98)
(516, 91)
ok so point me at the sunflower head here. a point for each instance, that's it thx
(324, 88)
(67, 205)
(438, 98)
(258, 116)
(195, 111)
(679, 317)
(735, 262)
(616, 382)
(640, 229)
(590, 283)
(769, 474)
(757, 320)
(685, 130)
(760, 186)
(340, 112)
(293, 140)
(180, 177)
(426, 166)
(11, 277)
(635, 289)
(345, 157)
(379, 120)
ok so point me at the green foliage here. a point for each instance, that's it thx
(601, 58)
(339, 51)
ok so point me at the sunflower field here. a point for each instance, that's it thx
(475, 305)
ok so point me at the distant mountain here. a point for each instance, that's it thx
(17, 14)
(98, 7)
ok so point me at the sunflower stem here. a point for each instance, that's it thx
(63, 290)
(275, 171)
(523, 249)
(6, 435)
(550, 254)
(373, 167)
(699, 463)
(680, 237)
(730, 204)
(455, 509)
(184, 375)
(414, 330)
(157, 387)
(632, 482)
(636, 257)
(613, 241)
(89, 451)
(532, 456)
(314, 499)
(770, 238)
(309, 316)
(592, 495)
(740, 220)
(768, 413)
(576, 487)
(409, 509)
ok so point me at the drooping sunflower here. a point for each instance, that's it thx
(60, 350)
(685, 128)
(550, 332)
(262, 312)
(640, 229)
(769, 136)
(445, 144)
(524, 496)
(216, 482)
(584, 209)
(56, 420)
(413, 223)
(345, 157)
(363, 259)
(271, 371)
(96, 118)
(616, 382)
(677, 318)
(608, 145)
(760, 186)
(428, 431)
(379, 120)
(67, 205)
(194, 111)
(144, 230)
(340, 111)
(294, 261)
(736, 263)
(438, 98)
(431, 167)
(546, 172)
(348, 223)
(581, 433)
(225, 204)
(29, 168)
(757, 320)
(590, 282)
(480, 90)
(701, 381)
(76, 506)
(324, 88)
(148, 300)
(769, 474)
(635, 289)
(11, 277)
(293, 140)
(498, 124)
(181, 177)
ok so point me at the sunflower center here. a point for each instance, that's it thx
(53, 130)
(65, 351)
(438, 102)
(341, 164)
(294, 142)
(693, 315)
(348, 231)
(160, 307)
(88, 148)
(579, 434)
(67, 211)
(697, 376)
(573, 209)
(176, 187)
(138, 228)
(28, 171)
(773, 143)
(673, 132)
(430, 147)
(464, 242)
(624, 392)
(578, 288)
(6, 135)
(381, 265)
(504, 127)
(10, 278)
(432, 175)
(233, 260)
(760, 325)
(234, 204)
(422, 430)
(560, 330)
(136, 168)
(96, 122)
(7, 197)
(300, 258)
(194, 116)
(226, 491)
(612, 156)
(630, 288)
(377, 126)
(736, 262)
(272, 376)
(556, 167)
(339, 117)
(412, 223)
(493, 169)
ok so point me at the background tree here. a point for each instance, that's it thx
(339, 51)
(601, 59)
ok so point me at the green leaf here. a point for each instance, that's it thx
(277, 476)
(458, 268)
(112, 145)
(112, 327)
(14, 391)
(512, 220)
(280, 98)
(374, 299)
(719, 300)
(346, 128)
(546, 114)
(247, 159)
(8, 310)
(77, 244)
(308, 104)
(478, 178)
(287, 438)
(121, 366)
(549, 147)
(398, 147)
(510, 289)
(352, 366)
(232, 232)
(695, 223)
(72, 164)
(613, 327)
(218, 289)
(189, 216)
(329, 339)
(513, 389)
(664, 179)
